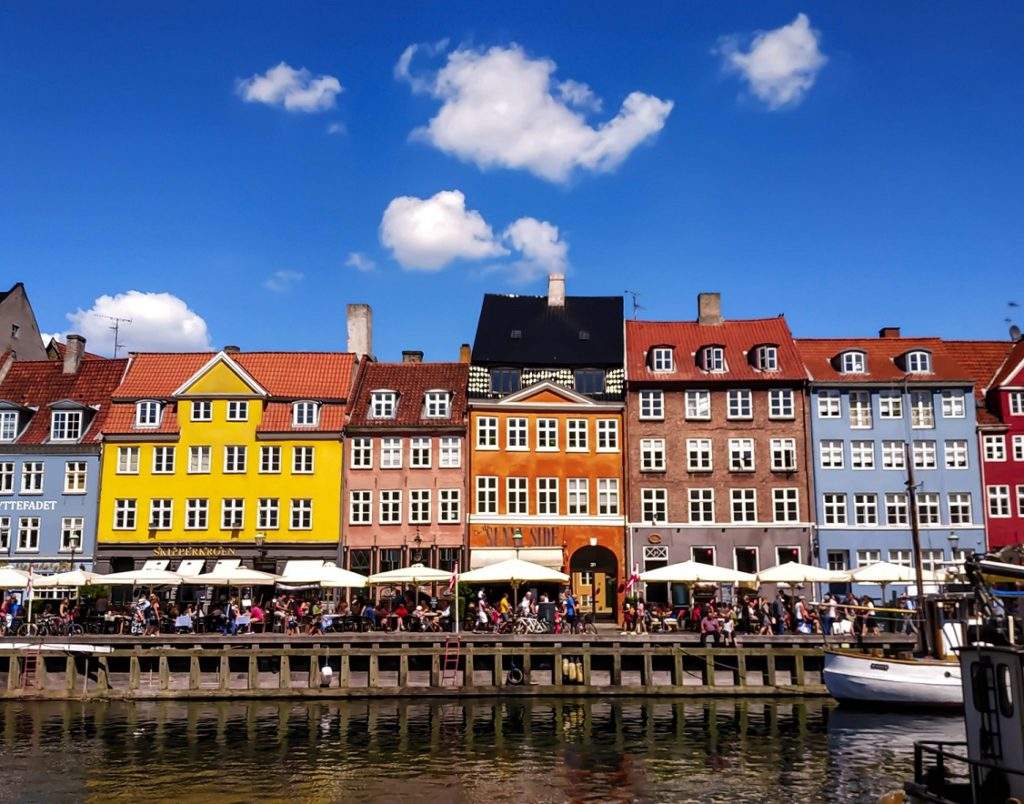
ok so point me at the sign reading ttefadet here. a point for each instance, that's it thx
(28, 505)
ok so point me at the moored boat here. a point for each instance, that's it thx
(862, 679)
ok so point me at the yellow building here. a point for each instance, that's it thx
(226, 455)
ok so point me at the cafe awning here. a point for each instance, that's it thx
(416, 574)
(550, 557)
(696, 572)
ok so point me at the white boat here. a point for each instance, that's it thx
(859, 678)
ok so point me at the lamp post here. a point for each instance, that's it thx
(954, 540)
(260, 538)
(417, 553)
(517, 540)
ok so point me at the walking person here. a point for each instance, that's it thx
(779, 614)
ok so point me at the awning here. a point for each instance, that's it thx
(550, 557)
(225, 565)
(303, 572)
(156, 564)
(191, 566)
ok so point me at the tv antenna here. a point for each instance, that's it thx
(634, 295)
(115, 327)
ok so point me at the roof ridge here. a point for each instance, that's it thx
(779, 317)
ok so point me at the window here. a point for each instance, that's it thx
(701, 504)
(903, 558)
(698, 405)
(448, 558)
(28, 533)
(32, 477)
(232, 513)
(995, 448)
(547, 495)
(783, 452)
(449, 506)
(160, 514)
(302, 514)
(238, 410)
(72, 532)
(740, 404)
(487, 495)
(517, 436)
(268, 513)
(960, 508)
(932, 560)
(302, 460)
(922, 414)
(305, 414)
(829, 405)
(1018, 447)
(197, 514)
(894, 455)
(928, 508)
(199, 460)
(834, 508)
(919, 362)
(360, 507)
(362, 453)
(661, 358)
(741, 455)
(852, 363)
(8, 425)
(6, 477)
(1016, 400)
(1020, 500)
(865, 509)
(712, 358)
(896, 509)
(838, 560)
(588, 381)
(780, 404)
(652, 454)
(608, 496)
(517, 495)
(744, 505)
(391, 453)
(998, 501)
(163, 460)
(766, 358)
(830, 454)
(391, 507)
(270, 460)
(202, 410)
(451, 452)
(127, 460)
(860, 410)
(74, 477)
(652, 405)
(147, 414)
(419, 506)
(437, 405)
(383, 404)
(698, 455)
(924, 455)
(420, 452)
(124, 514)
(862, 455)
(786, 505)
(578, 493)
(867, 557)
(956, 454)
(576, 435)
(234, 459)
(953, 405)
(504, 381)
(547, 435)
(390, 558)
(487, 432)
(890, 405)
(654, 505)
(66, 425)
(607, 435)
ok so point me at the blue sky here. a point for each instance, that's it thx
(882, 187)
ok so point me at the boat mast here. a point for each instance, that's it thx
(915, 535)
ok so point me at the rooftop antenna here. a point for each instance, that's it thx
(636, 305)
(115, 326)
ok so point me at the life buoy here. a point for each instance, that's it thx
(515, 676)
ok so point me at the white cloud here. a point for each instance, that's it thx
(294, 90)
(359, 261)
(498, 110)
(159, 322)
(404, 63)
(543, 252)
(781, 65)
(283, 281)
(427, 234)
(336, 128)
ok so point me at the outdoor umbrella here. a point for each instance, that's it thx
(514, 571)
(795, 573)
(13, 579)
(884, 573)
(415, 575)
(74, 578)
(694, 572)
(143, 577)
(233, 576)
(336, 577)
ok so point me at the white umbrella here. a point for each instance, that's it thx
(796, 573)
(414, 575)
(336, 577)
(143, 577)
(13, 579)
(882, 573)
(74, 578)
(514, 571)
(696, 572)
(232, 576)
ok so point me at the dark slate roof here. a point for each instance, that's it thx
(550, 336)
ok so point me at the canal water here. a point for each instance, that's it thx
(466, 750)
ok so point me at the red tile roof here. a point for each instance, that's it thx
(63, 347)
(277, 418)
(411, 381)
(121, 421)
(1013, 361)
(687, 337)
(39, 383)
(819, 353)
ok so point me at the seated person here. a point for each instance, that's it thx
(369, 615)
(709, 626)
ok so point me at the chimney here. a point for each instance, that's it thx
(73, 351)
(231, 349)
(465, 353)
(5, 366)
(556, 290)
(889, 332)
(412, 356)
(709, 308)
(360, 330)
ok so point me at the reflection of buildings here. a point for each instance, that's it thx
(545, 394)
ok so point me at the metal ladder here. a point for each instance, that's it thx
(452, 650)
(31, 668)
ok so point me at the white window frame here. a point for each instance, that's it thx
(853, 362)
(162, 464)
(919, 362)
(76, 477)
(894, 455)
(303, 460)
(897, 509)
(922, 410)
(1015, 403)
(201, 410)
(740, 450)
(652, 404)
(995, 448)
(712, 359)
(161, 513)
(389, 506)
(421, 452)
(361, 453)
(833, 507)
(929, 503)
(305, 413)
(781, 403)
(925, 453)
(391, 452)
(661, 359)
(486, 492)
(829, 404)
(238, 410)
(268, 513)
(437, 405)
(420, 507)
(236, 459)
(8, 425)
(652, 455)
(517, 496)
(487, 432)
(890, 404)
(997, 498)
(236, 507)
(953, 404)
(831, 453)
(739, 404)
(746, 499)
(360, 507)
(865, 509)
(7, 477)
(65, 425)
(577, 435)
(383, 404)
(699, 448)
(125, 514)
(1018, 447)
(607, 435)
(33, 477)
(697, 405)
(789, 498)
(300, 514)
(862, 455)
(608, 501)
(547, 434)
(270, 460)
(517, 434)
(127, 461)
(199, 460)
(766, 358)
(72, 526)
(956, 453)
(197, 513)
(700, 501)
(783, 454)
(654, 505)
(449, 506)
(861, 415)
(29, 530)
(577, 493)
(961, 508)
(147, 413)
(450, 456)
(548, 501)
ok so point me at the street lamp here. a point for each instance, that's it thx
(517, 540)
(259, 539)
(417, 554)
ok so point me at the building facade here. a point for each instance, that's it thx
(51, 415)
(405, 473)
(879, 406)
(19, 332)
(717, 461)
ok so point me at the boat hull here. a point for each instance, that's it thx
(871, 681)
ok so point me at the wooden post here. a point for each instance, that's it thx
(69, 673)
(617, 667)
(741, 669)
(769, 669)
(678, 679)
(798, 666)
(467, 673)
(709, 668)
(586, 666)
(373, 675)
(345, 672)
(134, 672)
(14, 675)
(499, 668)
(193, 672)
(164, 671)
(556, 669)
(103, 675)
(284, 676)
(527, 667)
(313, 679)
(254, 672)
(647, 674)
(403, 668)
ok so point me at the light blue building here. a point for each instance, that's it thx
(877, 404)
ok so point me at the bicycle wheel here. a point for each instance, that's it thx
(74, 629)
(28, 630)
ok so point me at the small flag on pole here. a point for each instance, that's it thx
(454, 579)
(634, 578)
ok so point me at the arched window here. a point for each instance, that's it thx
(853, 363)
(919, 362)
(305, 414)
(147, 413)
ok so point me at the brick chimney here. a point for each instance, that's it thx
(360, 330)
(5, 366)
(465, 353)
(73, 351)
(889, 332)
(412, 356)
(231, 349)
(709, 308)
(556, 290)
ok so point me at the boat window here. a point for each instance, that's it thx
(981, 685)
(1005, 691)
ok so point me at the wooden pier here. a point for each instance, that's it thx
(374, 665)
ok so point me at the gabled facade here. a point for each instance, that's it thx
(19, 332)
(51, 416)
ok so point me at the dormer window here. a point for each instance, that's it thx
(661, 358)
(66, 425)
(516, 335)
(919, 362)
(852, 363)
(766, 357)
(437, 405)
(147, 413)
(383, 404)
(712, 358)
(8, 425)
(305, 414)
(504, 380)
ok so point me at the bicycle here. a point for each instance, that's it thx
(584, 624)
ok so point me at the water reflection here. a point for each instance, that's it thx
(472, 750)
